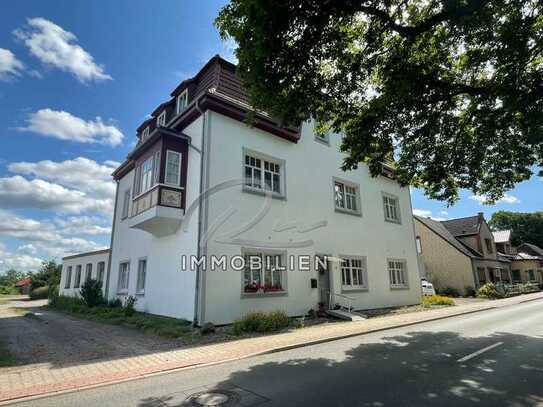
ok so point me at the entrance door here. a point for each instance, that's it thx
(324, 281)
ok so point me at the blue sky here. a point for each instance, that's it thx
(76, 79)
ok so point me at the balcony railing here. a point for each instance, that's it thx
(158, 211)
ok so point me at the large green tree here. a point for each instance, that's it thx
(526, 227)
(453, 87)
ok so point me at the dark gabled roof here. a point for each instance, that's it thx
(463, 226)
(531, 248)
(439, 229)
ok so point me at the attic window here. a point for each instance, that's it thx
(145, 133)
(161, 119)
(182, 101)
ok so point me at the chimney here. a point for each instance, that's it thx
(481, 216)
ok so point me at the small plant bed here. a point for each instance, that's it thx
(427, 304)
(116, 314)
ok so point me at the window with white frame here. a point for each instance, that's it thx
(161, 119)
(142, 272)
(68, 277)
(263, 173)
(346, 197)
(124, 274)
(182, 101)
(263, 272)
(88, 272)
(126, 204)
(353, 273)
(101, 271)
(145, 134)
(418, 242)
(146, 175)
(391, 207)
(397, 270)
(173, 168)
(77, 281)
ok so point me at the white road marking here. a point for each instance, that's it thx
(474, 354)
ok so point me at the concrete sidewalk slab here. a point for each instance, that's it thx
(45, 380)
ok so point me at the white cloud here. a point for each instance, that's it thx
(507, 199)
(18, 192)
(10, 66)
(54, 46)
(65, 126)
(422, 212)
(444, 213)
(52, 239)
(425, 213)
(80, 173)
(22, 262)
(82, 225)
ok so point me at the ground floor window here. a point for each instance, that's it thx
(263, 272)
(531, 275)
(88, 272)
(397, 270)
(353, 273)
(124, 273)
(101, 271)
(142, 271)
(77, 281)
(505, 276)
(516, 276)
(68, 277)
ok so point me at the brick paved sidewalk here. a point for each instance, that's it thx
(44, 380)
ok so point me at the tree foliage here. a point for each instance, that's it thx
(526, 227)
(10, 277)
(453, 87)
(48, 275)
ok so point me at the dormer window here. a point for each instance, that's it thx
(145, 133)
(182, 101)
(161, 119)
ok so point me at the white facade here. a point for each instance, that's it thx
(77, 268)
(308, 170)
(168, 291)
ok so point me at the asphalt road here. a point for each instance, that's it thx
(493, 358)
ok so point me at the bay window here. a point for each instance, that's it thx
(173, 168)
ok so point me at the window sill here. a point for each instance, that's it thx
(398, 222)
(346, 290)
(262, 192)
(125, 292)
(263, 295)
(348, 212)
(322, 141)
(399, 287)
(140, 293)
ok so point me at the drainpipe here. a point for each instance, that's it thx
(106, 290)
(198, 288)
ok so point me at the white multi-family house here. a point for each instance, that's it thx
(203, 185)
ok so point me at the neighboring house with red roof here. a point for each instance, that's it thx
(24, 285)
(460, 253)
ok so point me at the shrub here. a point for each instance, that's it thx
(91, 293)
(129, 305)
(39, 293)
(53, 295)
(489, 291)
(8, 290)
(431, 300)
(261, 322)
(470, 291)
(116, 303)
(449, 292)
